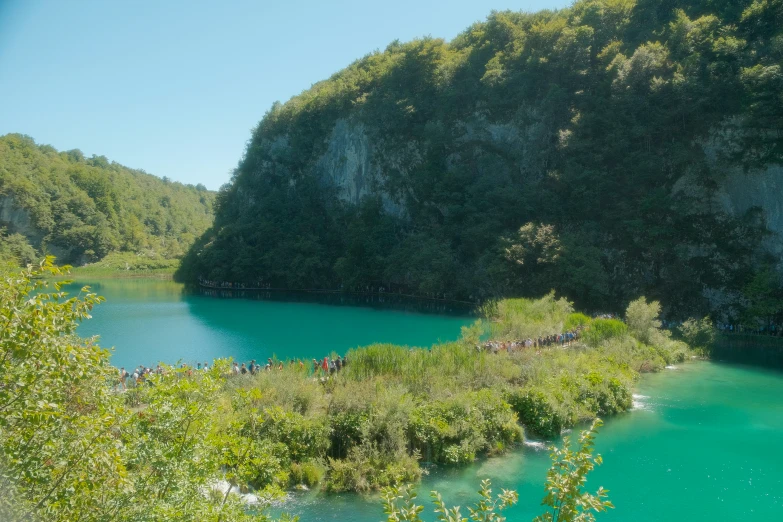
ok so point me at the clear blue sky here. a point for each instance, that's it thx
(175, 86)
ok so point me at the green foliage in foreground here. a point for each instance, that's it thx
(566, 478)
(399, 504)
(565, 496)
(83, 209)
(70, 447)
(73, 447)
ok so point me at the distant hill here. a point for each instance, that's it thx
(608, 150)
(81, 209)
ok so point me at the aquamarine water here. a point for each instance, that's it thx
(148, 320)
(701, 444)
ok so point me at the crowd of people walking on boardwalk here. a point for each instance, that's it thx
(228, 285)
(318, 368)
(772, 329)
(561, 339)
(142, 373)
(328, 366)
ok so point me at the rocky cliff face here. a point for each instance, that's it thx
(763, 189)
(570, 150)
(359, 166)
(18, 220)
(741, 189)
(354, 167)
(360, 163)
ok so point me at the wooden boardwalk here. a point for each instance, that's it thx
(336, 292)
(764, 350)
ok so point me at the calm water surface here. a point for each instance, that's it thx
(148, 320)
(701, 444)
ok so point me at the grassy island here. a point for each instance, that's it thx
(392, 407)
(68, 430)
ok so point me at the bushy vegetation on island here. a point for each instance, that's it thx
(85, 209)
(581, 149)
(75, 447)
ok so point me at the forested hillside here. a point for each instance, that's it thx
(81, 209)
(608, 150)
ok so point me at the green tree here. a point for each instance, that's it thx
(765, 293)
(642, 319)
(86, 209)
(59, 422)
(698, 333)
(70, 447)
(15, 249)
(578, 150)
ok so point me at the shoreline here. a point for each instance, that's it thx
(77, 273)
(229, 288)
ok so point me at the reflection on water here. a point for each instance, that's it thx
(373, 300)
(147, 321)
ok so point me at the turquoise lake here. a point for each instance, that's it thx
(701, 444)
(149, 320)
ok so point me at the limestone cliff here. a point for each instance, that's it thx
(352, 166)
(18, 220)
(580, 150)
(742, 191)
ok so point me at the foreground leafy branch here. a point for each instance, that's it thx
(70, 447)
(565, 495)
(566, 478)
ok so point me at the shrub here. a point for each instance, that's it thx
(345, 432)
(522, 318)
(604, 396)
(308, 473)
(604, 329)
(699, 334)
(577, 320)
(304, 438)
(671, 351)
(539, 412)
(642, 319)
(367, 468)
(455, 430)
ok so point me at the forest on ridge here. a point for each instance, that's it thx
(586, 150)
(83, 209)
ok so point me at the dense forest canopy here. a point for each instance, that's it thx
(82, 209)
(583, 150)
